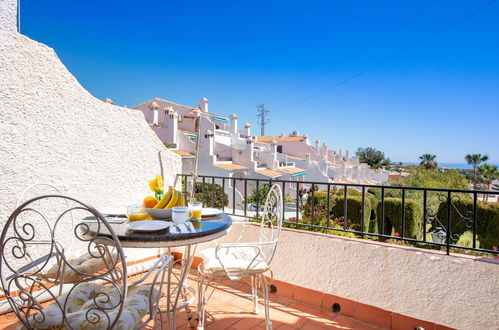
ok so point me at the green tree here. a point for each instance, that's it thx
(475, 160)
(423, 178)
(373, 157)
(428, 161)
(488, 173)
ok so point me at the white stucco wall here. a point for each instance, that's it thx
(457, 291)
(53, 131)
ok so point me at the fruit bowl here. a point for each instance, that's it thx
(159, 214)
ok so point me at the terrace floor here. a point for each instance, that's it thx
(230, 308)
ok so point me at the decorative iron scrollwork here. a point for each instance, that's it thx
(438, 230)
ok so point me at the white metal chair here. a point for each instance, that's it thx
(96, 297)
(240, 260)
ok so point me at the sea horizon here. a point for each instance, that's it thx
(454, 165)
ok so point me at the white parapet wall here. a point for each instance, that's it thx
(457, 291)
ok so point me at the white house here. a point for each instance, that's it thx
(226, 150)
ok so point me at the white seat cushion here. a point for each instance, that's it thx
(81, 300)
(84, 264)
(235, 259)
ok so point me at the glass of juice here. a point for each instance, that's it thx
(136, 212)
(195, 210)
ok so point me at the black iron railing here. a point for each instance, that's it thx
(443, 218)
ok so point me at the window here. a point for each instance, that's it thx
(279, 149)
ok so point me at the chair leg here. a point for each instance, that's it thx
(254, 293)
(201, 301)
(265, 288)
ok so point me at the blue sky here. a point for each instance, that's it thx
(440, 96)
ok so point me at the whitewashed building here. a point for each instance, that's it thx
(226, 150)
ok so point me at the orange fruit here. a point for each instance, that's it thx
(150, 202)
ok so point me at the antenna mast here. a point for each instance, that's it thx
(263, 117)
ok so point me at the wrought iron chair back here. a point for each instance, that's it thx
(39, 189)
(271, 221)
(28, 285)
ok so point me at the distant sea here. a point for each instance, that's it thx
(459, 166)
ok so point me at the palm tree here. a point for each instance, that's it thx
(428, 161)
(475, 160)
(488, 173)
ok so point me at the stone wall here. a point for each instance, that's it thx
(53, 131)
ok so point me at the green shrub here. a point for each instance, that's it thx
(393, 217)
(487, 220)
(263, 190)
(336, 208)
(209, 188)
(466, 239)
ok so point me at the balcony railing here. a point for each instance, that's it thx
(426, 217)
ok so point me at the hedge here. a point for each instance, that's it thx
(208, 189)
(393, 217)
(336, 209)
(487, 220)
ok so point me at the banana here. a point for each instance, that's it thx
(166, 198)
(181, 201)
(173, 200)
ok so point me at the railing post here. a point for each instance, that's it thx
(202, 189)
(424, 215)
(402, 234)
(245, 196)
(213, 192)
(345, 207)
(257, 198)
(328, 204)
(363, 209)
(312, 218)
(223, 194)
(297, 201)
(233, 195)
(475, 197)
(447, 237)
(382, 227)
(283, 199)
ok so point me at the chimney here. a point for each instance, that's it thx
(307, 161)
(204, 104)
(247, 129)
(249, 150)
(233, 123)
(154, 108)
(171, 123)
(347, 155)
(340, 154)
(210, 141)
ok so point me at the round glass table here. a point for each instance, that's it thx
(208, 229)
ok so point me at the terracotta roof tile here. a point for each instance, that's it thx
(280, 138)
(291, 170)
(182, 153)
(185, 131)
(268, 172)
(162, 100)
(230, 167)
(297, 158)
